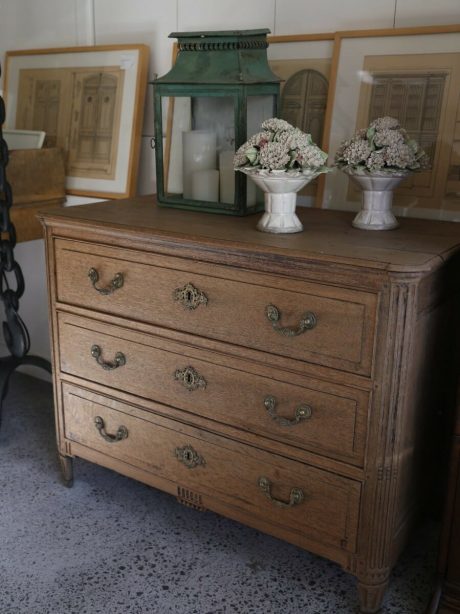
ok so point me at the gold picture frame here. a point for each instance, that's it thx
(412, 74)
(89, 101)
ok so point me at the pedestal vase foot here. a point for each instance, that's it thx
(377, 200)
(280, 196)
(280, 216)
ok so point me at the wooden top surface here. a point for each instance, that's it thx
(328, 235)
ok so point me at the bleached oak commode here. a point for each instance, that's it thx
(292, 383)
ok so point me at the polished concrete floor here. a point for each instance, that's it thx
(111, 545)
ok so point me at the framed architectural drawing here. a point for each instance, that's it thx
(412, 74)
(304, 64)
(89, 101)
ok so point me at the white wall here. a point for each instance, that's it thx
(29, 24)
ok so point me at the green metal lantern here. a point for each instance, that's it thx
(219, 91)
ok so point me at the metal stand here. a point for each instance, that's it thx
(15, 331)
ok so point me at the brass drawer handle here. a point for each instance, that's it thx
(122, 432)
(189, 456)
(307, 322)
(190, 297)
(295, 498)
(190, 379)
(115, 284)
(120, 359)
(302, 412)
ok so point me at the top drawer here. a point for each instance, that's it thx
(222, 303)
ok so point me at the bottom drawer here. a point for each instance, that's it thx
(298, 498)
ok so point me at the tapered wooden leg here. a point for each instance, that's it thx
(371, 596)
(66, 469)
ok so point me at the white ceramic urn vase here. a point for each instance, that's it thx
(377, 198)
(280, 196)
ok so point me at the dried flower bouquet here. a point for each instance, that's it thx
(281, 148)
(382, 148)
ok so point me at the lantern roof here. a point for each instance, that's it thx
(234, 57)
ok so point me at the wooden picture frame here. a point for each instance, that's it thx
(412, 74)
(90, 102)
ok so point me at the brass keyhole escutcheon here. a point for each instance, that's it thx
(190, 297)
(190, 378)
(189, 457)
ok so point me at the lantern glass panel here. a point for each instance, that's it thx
(259, 108)
(200, 146)
(199, 149)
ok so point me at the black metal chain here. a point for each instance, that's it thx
(14, 330)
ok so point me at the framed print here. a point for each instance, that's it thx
(413, 75)
(304, 64)
(89, 101)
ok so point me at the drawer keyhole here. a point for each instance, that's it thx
(190, 297)
(190, 378)
(189, 456)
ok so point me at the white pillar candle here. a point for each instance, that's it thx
(227, 176)
(199, 153)
(205, 185)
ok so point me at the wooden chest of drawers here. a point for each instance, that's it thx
(287, 382)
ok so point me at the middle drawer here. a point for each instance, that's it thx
(321, 417)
